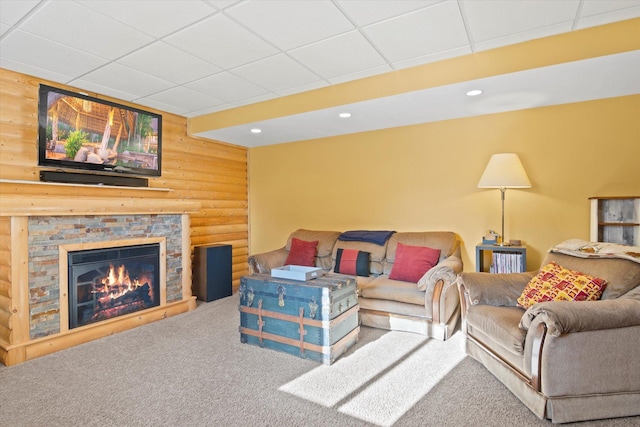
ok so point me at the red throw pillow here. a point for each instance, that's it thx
(412, 262)
(302, 253)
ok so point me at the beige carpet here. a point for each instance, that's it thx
(192, 370)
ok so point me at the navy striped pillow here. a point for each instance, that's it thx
(352, 261)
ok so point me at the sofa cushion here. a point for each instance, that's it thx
(448, 243)
(412, 262)
(392, 290)
(556, 283)
(376, 253)
(351, 261)
(302, 253)
(326, 240)
(500, 324)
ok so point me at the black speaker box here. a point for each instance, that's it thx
(93, 179)
(212, 278)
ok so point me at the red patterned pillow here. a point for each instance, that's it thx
(302, 253)
(556, 283)
(412, 262)
(352, 261)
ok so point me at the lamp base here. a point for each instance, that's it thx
(502, 244)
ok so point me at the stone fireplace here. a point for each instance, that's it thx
(52, 243)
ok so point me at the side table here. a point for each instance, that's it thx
(506, 259)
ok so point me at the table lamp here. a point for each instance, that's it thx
(504, 171)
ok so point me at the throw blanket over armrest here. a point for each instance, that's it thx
(495, 289)
(562, 317)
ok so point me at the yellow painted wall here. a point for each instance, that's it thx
(424, 177)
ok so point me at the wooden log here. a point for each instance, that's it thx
(5, 334)
(37, 206)
(5, 319)
(241, 230)
(5, 288)
(5, 303)
(19, 280)
(5, 273)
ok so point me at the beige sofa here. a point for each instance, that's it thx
(566, 361)
(430, 307)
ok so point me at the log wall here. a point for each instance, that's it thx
(211, 173)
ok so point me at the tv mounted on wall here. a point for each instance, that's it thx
(78, 131)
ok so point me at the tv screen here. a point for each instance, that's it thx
(81, 132)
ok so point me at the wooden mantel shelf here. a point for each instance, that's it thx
(116, 200)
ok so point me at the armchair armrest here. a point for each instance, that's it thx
(436, 283)
(562, 317)
(264, 262)
(494, 289)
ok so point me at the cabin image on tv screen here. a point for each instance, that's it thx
(84, 131)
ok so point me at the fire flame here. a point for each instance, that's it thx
(115, 285)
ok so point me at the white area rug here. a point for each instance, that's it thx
(381, 381)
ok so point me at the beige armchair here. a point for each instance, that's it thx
(566, 361)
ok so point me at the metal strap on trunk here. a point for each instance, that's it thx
(260, 321)
(301, 330)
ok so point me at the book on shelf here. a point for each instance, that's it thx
(506, 262)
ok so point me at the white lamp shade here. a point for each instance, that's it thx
(504, 170)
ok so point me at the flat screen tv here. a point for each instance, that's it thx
(78, 131)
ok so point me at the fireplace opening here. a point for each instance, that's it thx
(106, 283)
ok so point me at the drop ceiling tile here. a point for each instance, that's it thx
(606, 17)
(161, 106)
(291, 23)
(221, 4)
(344, 54)
(127, 79)
(426, 31)
(536, 33)
(209, 110)
(152, 17)
(491, 19)
(227, 87)
(184, 99)
(255, 99)
(596, 7)
(365, 12)
(41, 53)
(305, 88)
(438, 56)
(12, 11)
(99, 89)
(82, 28)
(277, 72)
(361, 74)
(169, 63)
(43, 73)
(222, 42)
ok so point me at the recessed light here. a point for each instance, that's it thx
(474, 92)
(344, 115)
(256, 130)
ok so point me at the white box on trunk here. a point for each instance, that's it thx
(296, 272)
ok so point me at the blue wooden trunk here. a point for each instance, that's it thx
(316, 319)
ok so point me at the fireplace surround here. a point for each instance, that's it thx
(37, 233)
